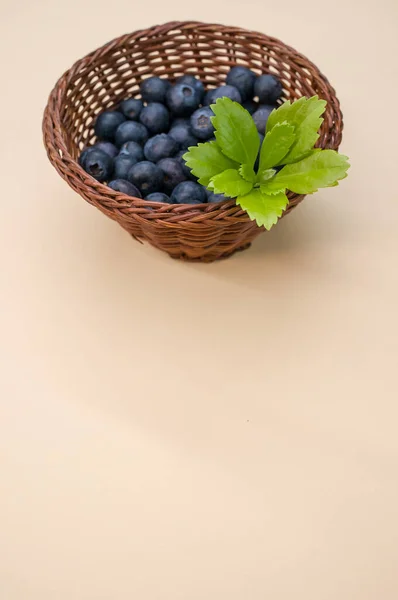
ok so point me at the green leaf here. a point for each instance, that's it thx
(264, 176)
(276, 145)
(307, 122)
(305, 116)
(271, 192)
(286, 112)
(322, 168)
(236, 131)
(247, 173)
(262, 208)
(207, 160)
(231, 184)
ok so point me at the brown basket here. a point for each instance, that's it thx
(112, 73)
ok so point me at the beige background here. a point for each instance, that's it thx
(179, 432)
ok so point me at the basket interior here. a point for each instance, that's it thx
(112, 73)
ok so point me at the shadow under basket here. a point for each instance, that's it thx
(99, 81)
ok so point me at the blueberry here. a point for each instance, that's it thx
(182, 99)
(132, 149)
(155, 117)
(160, 146)
(82, 158)
(173, 173)
(224, 91)
(179, 121)
(124, 186)
(154, 89)
(201, 124)
(122, 165)
(195, 83)
(107, 147)
(147, 177)
(243, 79)
(183, 135)
(185, 169)
(212, 197)
(188, 192)
(131, 108)
(98, 164)
(251, 106)
(260, 117)
(268, 89)
(158, 197)
(131, 131)
(107, 123)
(208, 99)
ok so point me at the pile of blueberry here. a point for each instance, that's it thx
(141, 144)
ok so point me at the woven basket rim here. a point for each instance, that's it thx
(57, 148)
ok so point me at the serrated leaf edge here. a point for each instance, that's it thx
(242, 175)
(255, 219)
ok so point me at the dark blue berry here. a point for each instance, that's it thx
(125, 187)
(82, 158)
(268, 89)
(155, 117)
(172, 172)
(122, 165)
(98, 164)
(201, 124)
(131, 108)
(260, 117)
(147, 177)
(179, 121)
(160, 146)
(132, 149)
(185, 169)
(131, 131)
(188, 192)
(195, 83)
(183, 135)
(208, 99)
(158, 197)
(212, 197)
(154, 89)
(182, 99)
(107, 147)
(224, 91)
(243, 79)
(107, 123)
(251, 106)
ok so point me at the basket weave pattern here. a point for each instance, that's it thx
(112, 73)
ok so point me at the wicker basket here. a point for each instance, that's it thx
(112, 73)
